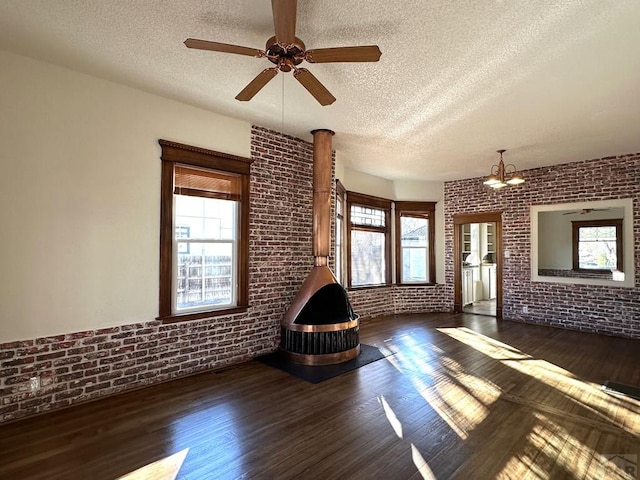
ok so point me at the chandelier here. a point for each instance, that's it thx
(502, 175)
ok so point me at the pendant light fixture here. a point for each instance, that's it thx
(502, 175)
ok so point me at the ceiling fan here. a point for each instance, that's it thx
(287, 51)
(585, 211)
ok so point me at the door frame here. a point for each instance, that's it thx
(461, 219)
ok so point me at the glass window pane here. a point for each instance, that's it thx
(339, 250)
(414, 231)
(367, 258)
(414, 265)
(597, 233)
(204, 274)
(367, 216)
(199, 217)
(414, 234)
(597, 247)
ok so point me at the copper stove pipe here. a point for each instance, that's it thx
(322, 170)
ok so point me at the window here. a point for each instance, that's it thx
(368, 240)
(340, 206)
(597, 245)
(203, 233)
(415, 255)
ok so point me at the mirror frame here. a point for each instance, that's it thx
(627, 239)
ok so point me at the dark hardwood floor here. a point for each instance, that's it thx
(459, 396)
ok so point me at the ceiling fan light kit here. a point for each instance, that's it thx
(502, 176)
(287, 51)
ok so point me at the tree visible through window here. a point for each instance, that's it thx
(369, 237)
(368, 262)
(414, 244)
(415, 255)
(597, 245)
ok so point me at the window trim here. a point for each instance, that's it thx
(174, 154)
(369, 201)
(422, 210)
(577, 225)
(340, 256)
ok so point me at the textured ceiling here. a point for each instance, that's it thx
(551, 82)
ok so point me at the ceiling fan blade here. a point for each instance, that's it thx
(313, 85)
(284, 20)
(367, 53)
(257, 84)
(222, 47)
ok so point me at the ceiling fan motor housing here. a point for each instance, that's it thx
(285, 55)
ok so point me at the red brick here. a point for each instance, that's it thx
(79, 335)
(99, 386)
(18, 361)
(105, 331)
(125, 380)
(54, 339)
(51, 356)
(80, 350)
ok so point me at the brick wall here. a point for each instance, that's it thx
(601, 309)
(373, 302)
(80, 366)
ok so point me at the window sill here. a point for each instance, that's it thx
(185, 317)
(369, 287)
(595, 270)
(386, 285)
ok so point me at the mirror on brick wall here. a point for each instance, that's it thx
(588, 243)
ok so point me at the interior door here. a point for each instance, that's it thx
(478, 263)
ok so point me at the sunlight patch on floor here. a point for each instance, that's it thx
(459, 398)
(418, 460)
(164, 469)
(391, 416)
(423, 467)
(552, 452)
(463, 399)
(487, 345)
(621, 412)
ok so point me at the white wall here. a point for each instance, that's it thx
(555, 249)
(80, 194)
(368, 184)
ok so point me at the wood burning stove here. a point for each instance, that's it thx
(320, 327)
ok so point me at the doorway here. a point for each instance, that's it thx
(477, 264)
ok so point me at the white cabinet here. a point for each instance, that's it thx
(488, 277)
(469, 277)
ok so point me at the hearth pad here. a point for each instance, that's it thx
(319, 373)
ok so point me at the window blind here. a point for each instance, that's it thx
(206, 183)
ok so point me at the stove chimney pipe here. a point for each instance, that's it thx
(322, 169)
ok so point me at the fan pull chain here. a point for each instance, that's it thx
(282, 120)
